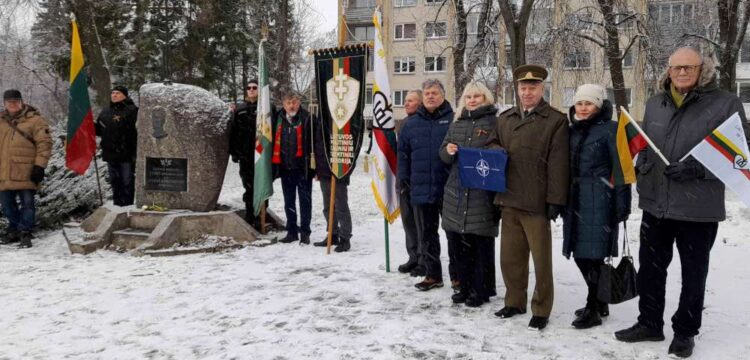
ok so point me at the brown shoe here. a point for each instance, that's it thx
(429, 284)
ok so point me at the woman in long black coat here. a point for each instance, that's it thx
(469, 218)
(595, 207)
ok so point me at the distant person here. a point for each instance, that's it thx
(412, 266)
(536, 137)
(116, 126)
(291, 160)
(682, 202)
(595, 208)
(470, 219)
(25, 149)
(421, 170)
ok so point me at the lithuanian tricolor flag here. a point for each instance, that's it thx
(80, 144)
(629, 143)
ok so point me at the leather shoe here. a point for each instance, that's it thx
(407, 267)
(681, 346)
(429, 284)
(638, 333)
(508, 312)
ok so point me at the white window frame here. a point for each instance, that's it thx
(404, 3)
(433, 2)
(435, 61)
(398, 101)
(430, 35)
(569, 96)
(739, 86)
(403, 32)
(404, 60)
(629, 95)
(578, 65)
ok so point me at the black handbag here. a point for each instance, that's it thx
(618, 284)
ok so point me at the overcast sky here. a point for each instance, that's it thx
(328, 10)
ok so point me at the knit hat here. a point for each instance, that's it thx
(12, 94)
(592, 93)
(121, 89)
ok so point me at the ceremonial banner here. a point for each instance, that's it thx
(383, 137)
(80, 143)
(263, 178)
(482, 169)
(340, 75)
(724, 152)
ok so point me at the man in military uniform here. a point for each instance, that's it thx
(536, 138)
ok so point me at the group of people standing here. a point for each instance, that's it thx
(561, 166)
(296, 142)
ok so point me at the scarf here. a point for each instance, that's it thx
(276, 158)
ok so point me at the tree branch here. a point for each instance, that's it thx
(699, 36)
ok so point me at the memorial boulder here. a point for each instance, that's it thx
(183, 147)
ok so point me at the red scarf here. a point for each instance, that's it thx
(276, 158)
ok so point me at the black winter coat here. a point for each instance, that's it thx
(242, 131)
(289, 160)
(468, 211)
(590, 227)
(116, 125)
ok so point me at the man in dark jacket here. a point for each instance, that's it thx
(242, 145)
(291, 162)
(411, 103)
(421, 170)
(116, 125)
(536, 138)
(342, 217)
(682, 202)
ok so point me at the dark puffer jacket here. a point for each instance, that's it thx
(675, 131)
(290, 162)
(116, 125)
(242, 131)
(468, 211)
(419, 165)
(589, 223)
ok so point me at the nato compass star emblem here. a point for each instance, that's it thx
(483, 168)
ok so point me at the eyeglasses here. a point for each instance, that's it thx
(689, 69)
(252, 88)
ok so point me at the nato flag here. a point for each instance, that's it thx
(482, 169)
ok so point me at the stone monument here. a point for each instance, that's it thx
(183, 147)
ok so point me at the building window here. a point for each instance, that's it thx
(403, 3)
(627, 61)
(578, 60)
(404, 65)
(743, 92)
(548, 92)
(569, 95)
(472, 24)
(671, 13)
(625, 24)
(370, 60)
(364, 33)
(433, 2)
(628, 97)
(399, 97)
(434, 63)
(745, 51)
(436, 30)
(368, 95)
(406, 32)
(361, 4)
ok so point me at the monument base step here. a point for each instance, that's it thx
(129, 238)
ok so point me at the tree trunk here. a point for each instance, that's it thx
(92, 49)
(139, 21)
(282, 68)
(459, 50)
(612, 48)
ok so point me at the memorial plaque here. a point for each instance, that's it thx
(166, 174)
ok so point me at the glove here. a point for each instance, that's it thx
(622, 215)
(37, 174)
(685, 171)
(235, 158)
(553, 211)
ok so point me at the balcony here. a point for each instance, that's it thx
(359, 14)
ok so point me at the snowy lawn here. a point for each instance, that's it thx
(287, 301)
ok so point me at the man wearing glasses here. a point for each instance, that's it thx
(242, 145)
(682, 202)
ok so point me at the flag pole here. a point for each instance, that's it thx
(387, 247)
(263, 218)
(98, 182)
(330, 214)
(645, 137)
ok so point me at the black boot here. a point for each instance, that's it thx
(682, 346)
(344, 245)
(418, 270)
(324, 242)
(475, 300)
(10, 236)
(602, 307)
(460, 297)
(638, 333)
(407, 267)
(588, 319)
(289, 238)
(25, 240)
(304, 239)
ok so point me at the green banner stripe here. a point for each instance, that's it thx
(78, 104)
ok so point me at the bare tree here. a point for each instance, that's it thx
(733, 19)
(516, 22)
(464, 67)
(92, 48)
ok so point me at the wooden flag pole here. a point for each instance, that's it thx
(263, 218)
(330, 214)
(98, 183)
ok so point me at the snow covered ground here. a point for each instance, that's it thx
(287, 301)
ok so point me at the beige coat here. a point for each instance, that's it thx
(18, 155)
